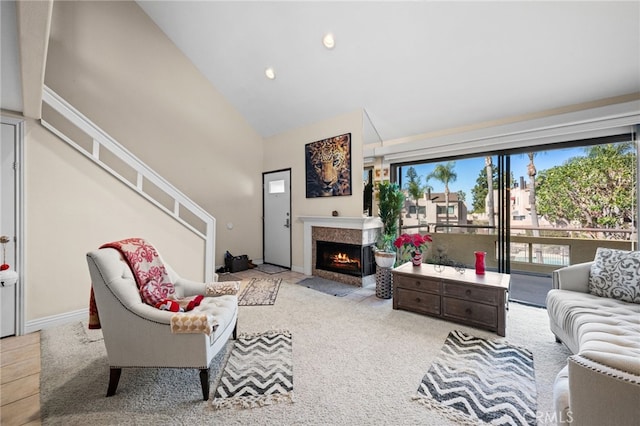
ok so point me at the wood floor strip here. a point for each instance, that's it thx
(14, 342)
(12, 356)
(19, 369)
(22, 412)
(20, 380)
(20, 389)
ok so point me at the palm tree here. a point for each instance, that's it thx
(413, 187)
(488, 162)
(531, 171)
(445, 174)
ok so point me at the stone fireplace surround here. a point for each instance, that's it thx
(350, 230)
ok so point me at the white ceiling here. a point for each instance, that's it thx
(415, 67)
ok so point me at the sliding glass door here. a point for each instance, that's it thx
(532, 211)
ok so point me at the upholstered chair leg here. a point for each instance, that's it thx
(235, 331)
(204, 381)
(114, 378)
(557, 339)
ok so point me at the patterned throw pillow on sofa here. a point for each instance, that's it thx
(616, 274)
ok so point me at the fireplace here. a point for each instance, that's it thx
(349, 259)
(359, 231)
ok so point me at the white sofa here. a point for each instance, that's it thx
(601, 383)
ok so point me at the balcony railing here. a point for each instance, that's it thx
(550, 250)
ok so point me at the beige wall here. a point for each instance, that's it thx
(74, 207)
(286, 150)
(111, 62)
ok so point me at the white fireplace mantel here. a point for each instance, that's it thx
(346, 222)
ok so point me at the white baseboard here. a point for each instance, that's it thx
(56, 320)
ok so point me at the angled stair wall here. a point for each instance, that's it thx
(94, 143)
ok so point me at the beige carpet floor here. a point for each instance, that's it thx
(355, 361)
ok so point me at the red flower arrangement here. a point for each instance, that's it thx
(409, 244)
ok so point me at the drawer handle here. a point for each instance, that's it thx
(418, 283)
(468, 311)
(468, 292)
(418, 299)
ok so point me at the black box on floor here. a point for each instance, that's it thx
(237, 263)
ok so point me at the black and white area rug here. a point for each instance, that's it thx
(259, 372)
(475, 380)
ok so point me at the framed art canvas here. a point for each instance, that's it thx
(328, 167)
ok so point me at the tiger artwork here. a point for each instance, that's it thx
(329, 167)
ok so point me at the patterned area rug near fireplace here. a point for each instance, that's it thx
(259, 372)
(477, 380)
(260, 291)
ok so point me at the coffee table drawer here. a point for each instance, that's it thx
(418, 284)
(416, 301)
(471, 292)
(475, 313)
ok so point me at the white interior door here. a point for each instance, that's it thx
(8, 226)
(276, 199)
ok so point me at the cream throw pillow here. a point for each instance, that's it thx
(220, 288)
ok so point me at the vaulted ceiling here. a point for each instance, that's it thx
(414, 67)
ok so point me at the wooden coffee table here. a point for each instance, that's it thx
(467, 298)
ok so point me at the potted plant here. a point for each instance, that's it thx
(390, 203)
(411, 247)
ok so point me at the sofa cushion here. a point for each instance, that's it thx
(616, 274)
(603, 330)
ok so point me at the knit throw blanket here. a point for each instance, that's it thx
(153, 281)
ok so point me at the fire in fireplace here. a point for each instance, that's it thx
(349, 259)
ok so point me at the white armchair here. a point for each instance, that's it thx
(139, 335)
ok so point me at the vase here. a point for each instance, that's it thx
(480, 258)
(417, 258)
(385, 259)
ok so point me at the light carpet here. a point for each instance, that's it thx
(357, 361)
(260, 291)
(259, 372)
(475, 380)
(228, 276)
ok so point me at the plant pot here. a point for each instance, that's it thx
(385, 259)
(417, 259)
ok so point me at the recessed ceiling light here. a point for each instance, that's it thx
(270, 73)
(328, 41)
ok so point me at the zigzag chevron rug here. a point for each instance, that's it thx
(481, 381)
(259, 372)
